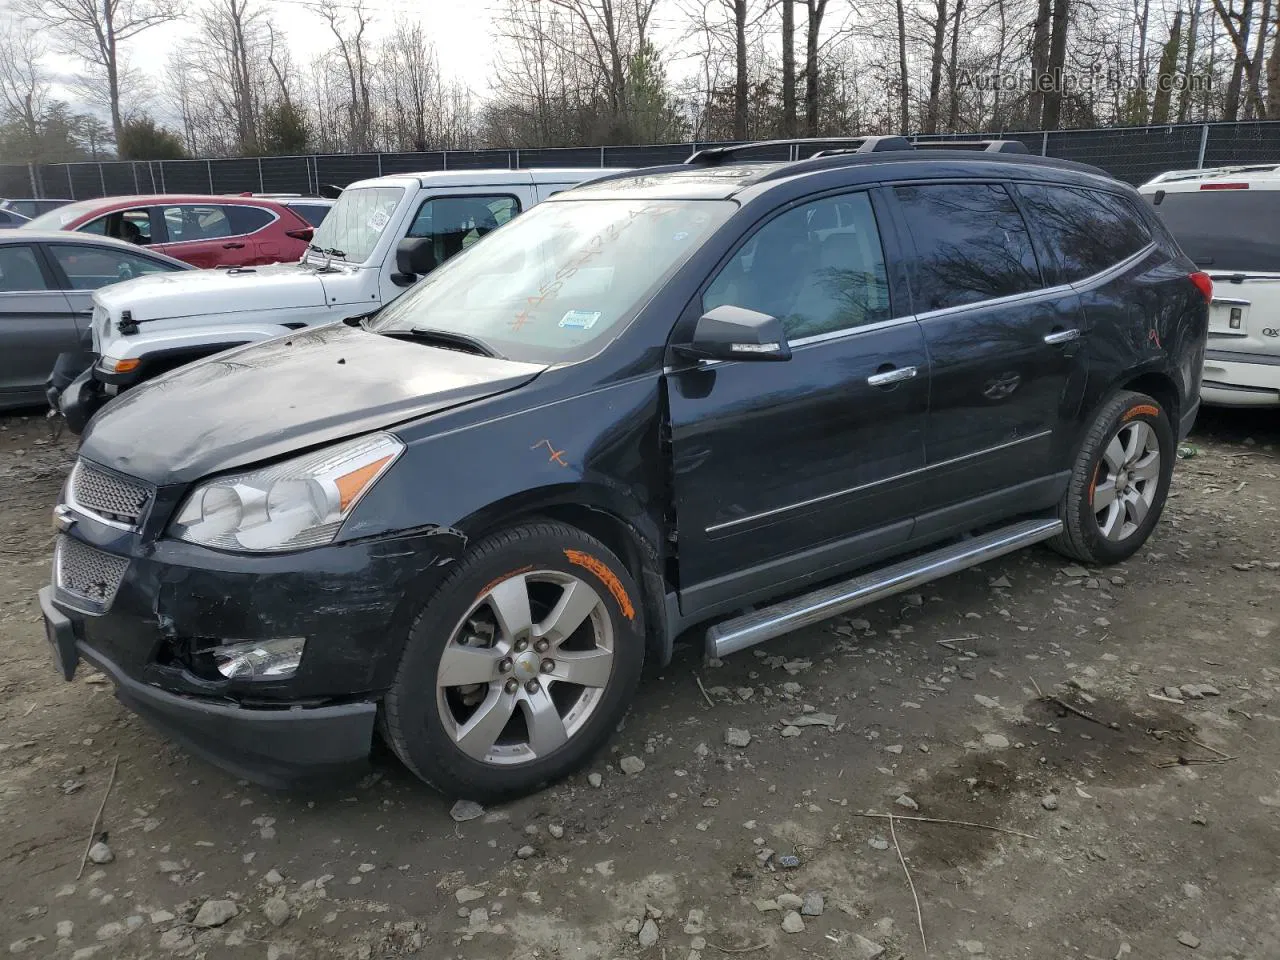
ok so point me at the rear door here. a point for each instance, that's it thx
(787, 471)
(1008, 364)
(202, 235)
(36, 323)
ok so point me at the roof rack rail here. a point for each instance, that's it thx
(984, 146)
(713, 156)
(1171, 176)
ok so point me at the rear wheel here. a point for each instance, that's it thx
(1119, 481)
(520, 666)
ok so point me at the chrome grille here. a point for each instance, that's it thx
(87, 573)
(107, 495)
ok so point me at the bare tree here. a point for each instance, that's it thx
(904, 78)
(789, 68)
(817, 10)
(24, 84)
(94, 30)
(1189, 63)
(349, 24)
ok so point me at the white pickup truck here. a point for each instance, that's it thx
(379, 238)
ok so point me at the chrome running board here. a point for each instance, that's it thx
(749, 629)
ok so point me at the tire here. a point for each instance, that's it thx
(1100, 526)
(477, 653)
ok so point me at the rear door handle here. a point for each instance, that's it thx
(886, 377)
(1061, 336)
(232, 246)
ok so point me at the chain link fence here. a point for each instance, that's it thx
(1133, 154)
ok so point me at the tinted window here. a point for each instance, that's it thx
(457, 222)
(19, 270)
(313, 213)
(247, 219)
(192, 222)
(1225, 229)
(817, 268)
(972, 244)
(1083, 231)
(88, 268)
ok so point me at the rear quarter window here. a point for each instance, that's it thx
(1083, 231)
(1224, 229)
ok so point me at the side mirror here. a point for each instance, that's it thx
(416, 256)
(735, 333)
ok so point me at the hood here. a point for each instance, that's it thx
(185, 293)
(269, 399)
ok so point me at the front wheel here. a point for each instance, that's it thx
(519, 667)
(1119, 481)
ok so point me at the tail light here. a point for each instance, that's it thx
(1203, 283)
(302, 233)
(1223, 186)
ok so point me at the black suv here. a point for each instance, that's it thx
(729, 392)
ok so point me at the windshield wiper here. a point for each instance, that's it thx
(328, 251)
(448, 339)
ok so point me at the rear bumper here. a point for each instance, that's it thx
(281, 747)
(1241, 380)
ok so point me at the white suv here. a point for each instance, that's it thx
(1227, 219)
(379, 238)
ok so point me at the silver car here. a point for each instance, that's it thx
(47, 281)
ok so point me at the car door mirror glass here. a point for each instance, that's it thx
(735, 333)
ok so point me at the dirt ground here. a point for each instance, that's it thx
(1130, 825)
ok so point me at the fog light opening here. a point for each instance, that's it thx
(259, 659)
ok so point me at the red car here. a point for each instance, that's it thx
(206, 231)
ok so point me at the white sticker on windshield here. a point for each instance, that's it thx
(377, 221)
(580, 319)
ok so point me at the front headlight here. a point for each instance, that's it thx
(291, 505)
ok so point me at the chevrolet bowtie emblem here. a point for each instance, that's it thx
(63, 518)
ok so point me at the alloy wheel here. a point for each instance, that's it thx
(1127, 480)
(525, 668)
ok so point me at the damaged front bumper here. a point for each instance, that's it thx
(353, 603)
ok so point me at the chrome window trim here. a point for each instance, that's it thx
(1027, 296)
(1113, 271)
(738, 521)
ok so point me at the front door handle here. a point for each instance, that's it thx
(233, 246)
(896, 375)
(1061, 336)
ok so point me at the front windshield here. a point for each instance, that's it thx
(352, 227)
(560, 276)
(58, 218)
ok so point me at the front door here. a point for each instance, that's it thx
(791, 471)
(1008, 364)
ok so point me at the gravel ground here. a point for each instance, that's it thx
(1120, 727)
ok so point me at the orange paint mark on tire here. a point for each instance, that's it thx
(497, 580)
(1142, 409)
(607, 577)
(1093, 484)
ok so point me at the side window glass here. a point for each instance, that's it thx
(190, 222)
(88, 268)
(971, 242)
(818, 268)
(1084, 231)
(243, 220)
(454, 223)
(19, 270)
(98, 226)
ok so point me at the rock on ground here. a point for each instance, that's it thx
(276, 911)
(631, 765)
(465, 810)
(863, 949)
(737, 738)
(648, 934)
(101, 853)
(214, 913)
(792, 923)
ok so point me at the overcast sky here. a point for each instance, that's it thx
(462, 31)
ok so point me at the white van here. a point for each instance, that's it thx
(377, 240)
(1227, 219)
